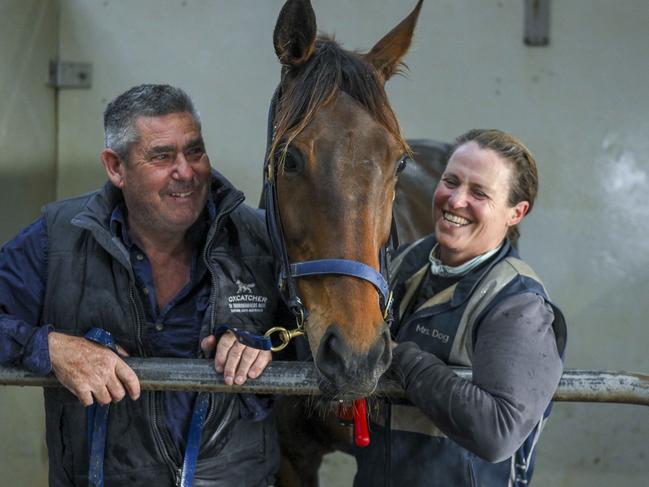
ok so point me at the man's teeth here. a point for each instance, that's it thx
(181, 195)
(455, 220)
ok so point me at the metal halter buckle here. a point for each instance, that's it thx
(285, 336)
(388, 306)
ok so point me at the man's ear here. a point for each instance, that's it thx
(518, 213)
(114, 166)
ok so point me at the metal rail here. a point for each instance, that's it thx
(299, 378)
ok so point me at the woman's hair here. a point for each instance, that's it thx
(524, 183)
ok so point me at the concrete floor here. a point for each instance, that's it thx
(337, 470)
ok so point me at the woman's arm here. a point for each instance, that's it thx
(516, 369)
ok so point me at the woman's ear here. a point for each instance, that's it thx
(114, 166)
(518, 212)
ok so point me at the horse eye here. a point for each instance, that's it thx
(293, 161)
(401, 165)
(289, 163)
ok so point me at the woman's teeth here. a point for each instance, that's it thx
(458, 221)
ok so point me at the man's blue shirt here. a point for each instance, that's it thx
(23, 272)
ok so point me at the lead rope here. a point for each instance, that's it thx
(97, 419)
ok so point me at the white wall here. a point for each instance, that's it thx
(581, 104)
(218, 51)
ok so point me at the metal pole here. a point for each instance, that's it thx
(299, 378)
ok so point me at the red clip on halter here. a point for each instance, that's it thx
(355, 412)
(361, 432)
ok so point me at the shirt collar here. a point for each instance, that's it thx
(439, 269)
(119, 226)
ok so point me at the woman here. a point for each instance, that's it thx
(463, 297)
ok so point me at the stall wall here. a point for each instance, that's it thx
(28, 40)
(581, 104)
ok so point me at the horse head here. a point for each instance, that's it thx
(335, 150)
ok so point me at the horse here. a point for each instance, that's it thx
(307, 433)
(334, 154)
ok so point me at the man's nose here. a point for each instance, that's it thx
(183, 169)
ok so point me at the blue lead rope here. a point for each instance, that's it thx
(97, 414)
(97, 419)
(194, 439)
(247, 338)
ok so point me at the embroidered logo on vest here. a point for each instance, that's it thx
(244, 301)
(244, 288)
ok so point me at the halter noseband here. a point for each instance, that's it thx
(289, 272)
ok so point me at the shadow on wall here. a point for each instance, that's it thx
(23, 194)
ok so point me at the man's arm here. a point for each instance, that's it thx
(23, 267)
(516, 369)
(86, 369)
(91, 371)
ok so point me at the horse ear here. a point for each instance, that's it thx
(295, 33)
(386, 55)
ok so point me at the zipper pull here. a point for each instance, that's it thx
(179, 477)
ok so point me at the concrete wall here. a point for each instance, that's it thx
(28, 40)
(581, 104)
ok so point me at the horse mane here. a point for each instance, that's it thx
(330, 70)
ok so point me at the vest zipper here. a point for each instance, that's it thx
(207, 248)
(154, 396)
(163, 441)
(211, 411)
(138, 320)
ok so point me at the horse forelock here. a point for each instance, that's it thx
(331, 70)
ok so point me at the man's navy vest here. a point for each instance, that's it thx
(90, 283)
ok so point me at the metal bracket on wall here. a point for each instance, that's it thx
(537, 22)
(70, 75)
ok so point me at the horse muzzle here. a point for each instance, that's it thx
(348, 372)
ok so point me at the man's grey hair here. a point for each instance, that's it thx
(148, 100)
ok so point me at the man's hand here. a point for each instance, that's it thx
(89, 370)
(236, 361)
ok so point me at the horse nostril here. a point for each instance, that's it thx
(333, 353)
(386, 340)
(341, 365)
(380, 354)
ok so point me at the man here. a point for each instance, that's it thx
(159, 257)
